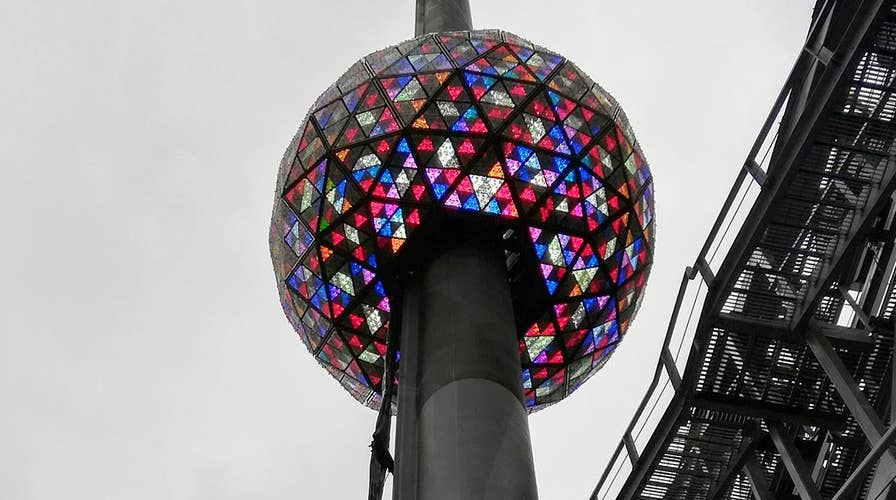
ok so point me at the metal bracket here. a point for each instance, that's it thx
(671, 367)
(755, 170)
(703, 267)
(630, 448)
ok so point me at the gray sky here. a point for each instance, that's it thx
(143, 352)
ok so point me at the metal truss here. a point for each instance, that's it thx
(775, 375)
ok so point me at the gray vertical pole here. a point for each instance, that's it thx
(434, 16)
(472, 436)
(462, 428)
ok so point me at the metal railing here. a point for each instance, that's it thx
(666, 389)
(678, 341)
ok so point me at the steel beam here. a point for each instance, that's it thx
(822, 458)
(809, 68)
(856, 308)
(758, 484)
(866, 417)
(746, 325)
(793, 462)
(881, 280)
(818, 103)
(810, 121)
(882, 481)
(737, 463)
(769, 411)
(878, 198)
(844, 333)
(879, 448)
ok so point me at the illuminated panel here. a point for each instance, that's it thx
(479, 124)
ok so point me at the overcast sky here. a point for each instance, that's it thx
(143, 352)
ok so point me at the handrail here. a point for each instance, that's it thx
(751, 171)
(689, 275)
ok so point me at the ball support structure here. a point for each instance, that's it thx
(478, 149)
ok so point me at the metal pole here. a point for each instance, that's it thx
(882, 481)
(434, 16)
(866, 416)
(866, 463)
(758, 484)
(472, 436)
(793, 462)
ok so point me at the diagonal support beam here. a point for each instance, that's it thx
(846, 387)
(758, 484)
(737, 463)
(630, 448)
(869, 460)
(866, 417)
(810, 121)
(861, 223)
(882, 481)
(793, 462)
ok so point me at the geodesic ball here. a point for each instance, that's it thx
(479, 124)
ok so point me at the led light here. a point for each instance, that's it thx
(475, 124)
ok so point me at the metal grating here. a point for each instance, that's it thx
(813, 252)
